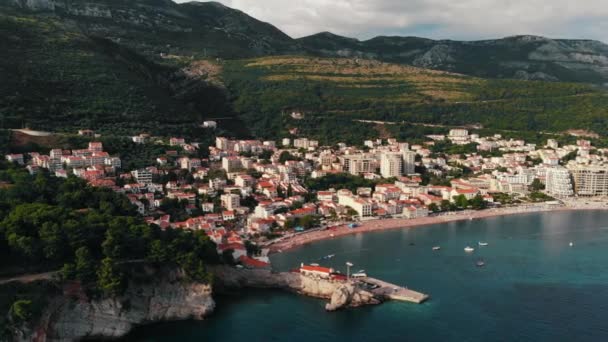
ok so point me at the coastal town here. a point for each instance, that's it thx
(252, 196)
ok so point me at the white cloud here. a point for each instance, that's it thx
(449, 19)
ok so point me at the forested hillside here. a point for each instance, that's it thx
(332, 93)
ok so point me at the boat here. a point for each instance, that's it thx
(436, 248)
(314, 264)
(480, 263)
(482, 243)
(571, 244)
(329, 256)
(469, 249)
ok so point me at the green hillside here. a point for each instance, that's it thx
(153, 65)
(332, 93)
(55, 77)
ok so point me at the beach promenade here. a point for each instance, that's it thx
(296, 240)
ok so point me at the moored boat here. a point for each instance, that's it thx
(436, 248)
(482, 243)
(469, 249)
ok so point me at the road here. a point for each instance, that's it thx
(28, 278)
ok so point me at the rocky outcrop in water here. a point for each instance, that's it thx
(341, 295)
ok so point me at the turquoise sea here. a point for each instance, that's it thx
(534, 287)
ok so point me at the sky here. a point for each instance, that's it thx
(443, 19)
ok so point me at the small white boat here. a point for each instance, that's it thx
(436, 248)
(571, 244)
(482, 243)
(314, 264)
(480, 263)
(469, 249)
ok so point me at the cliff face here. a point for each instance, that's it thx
(341, 295)
(168, 297)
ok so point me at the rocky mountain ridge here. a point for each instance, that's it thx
(210, 29)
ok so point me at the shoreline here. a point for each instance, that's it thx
(378, 225)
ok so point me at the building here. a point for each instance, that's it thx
(15, 158)
(316, 271)
(305, 143)
(590, 180)
(177, 141)
(391, 164)
(210, 124)
(95, 146)
(142, 176)
(558, 182)
(362, 206)
(357, 164)
(224, 144)
(231, 164)
(409, 162)
(231, 201)
(457, 132)
(552, 143)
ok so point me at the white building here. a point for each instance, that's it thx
(231, 201)
(409, 162)
(457, 132)
(558, 182)
(391, 164)
(363, 207)
(142, 176)
(210, 124)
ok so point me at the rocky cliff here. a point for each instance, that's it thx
(74, 316)
(341, 295)
(165, 295)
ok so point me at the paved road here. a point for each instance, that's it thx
(28, 278)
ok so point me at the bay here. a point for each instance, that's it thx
(534, 287)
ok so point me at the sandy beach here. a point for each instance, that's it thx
(377, 225)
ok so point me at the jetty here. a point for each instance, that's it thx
(387, 290)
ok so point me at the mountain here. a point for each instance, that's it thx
(126, 66)
(344, 99)
(152, 27)
(60, 71)
(519, 57)
(210, 29)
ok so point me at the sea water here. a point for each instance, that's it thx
(534, 287)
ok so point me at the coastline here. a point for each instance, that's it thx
(378, 225)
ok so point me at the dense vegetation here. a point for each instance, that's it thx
(49, 223)
(343, 181)
(331, 93)
(57, 77)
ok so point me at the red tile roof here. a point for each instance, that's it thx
(250, 262)
(315, 269)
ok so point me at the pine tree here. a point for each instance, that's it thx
(110, 279)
